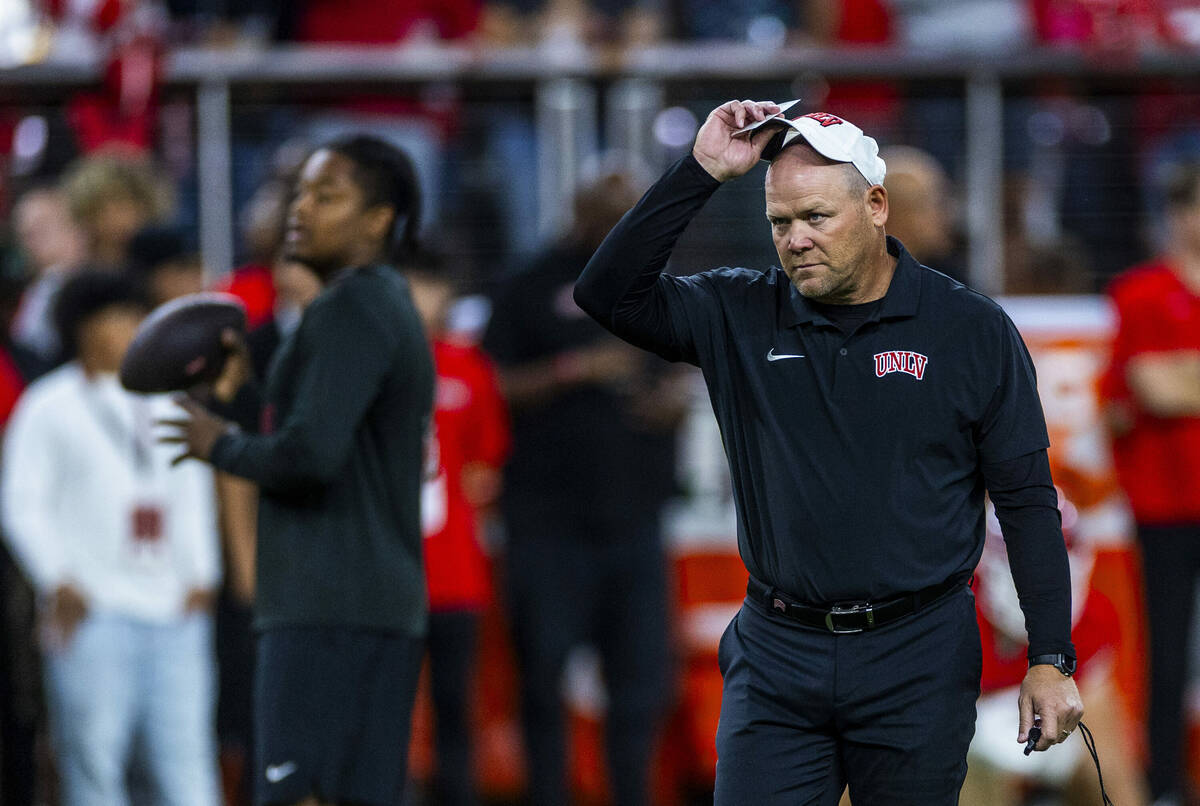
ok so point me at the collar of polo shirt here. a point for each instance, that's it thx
(900, 301)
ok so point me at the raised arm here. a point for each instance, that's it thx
(622, 286)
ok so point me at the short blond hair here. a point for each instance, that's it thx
(97, 178)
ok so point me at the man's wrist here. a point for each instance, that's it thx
(227, 436)
(1065, 663)
(710, 167)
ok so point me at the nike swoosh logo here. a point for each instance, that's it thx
(277, 772)
(772, 357)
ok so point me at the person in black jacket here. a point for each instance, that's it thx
(340, 602)
(865, 403)
(591, 468)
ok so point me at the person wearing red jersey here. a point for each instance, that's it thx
(1152, 392)
(471, 438)
(998, 771)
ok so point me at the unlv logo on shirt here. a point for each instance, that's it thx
(824, 118)
(904, 361)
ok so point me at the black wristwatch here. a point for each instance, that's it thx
(1063, 662)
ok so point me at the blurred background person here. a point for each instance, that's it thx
(53, 247)
(122, 549)
(261, 226)
(112, 195)
(21, 701)
(591, 467)
(998, 771)
(1152, 389)
(295, 286)
(470, 443)
(165, 264)
(1039, 262)
(922, 209)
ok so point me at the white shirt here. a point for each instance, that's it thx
(71, 488)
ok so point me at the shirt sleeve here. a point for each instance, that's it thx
(1027, 507)
(1013, 423)
(27, 496)
(623, 287)
(347, 350)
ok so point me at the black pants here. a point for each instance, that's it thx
(332, 711)
(452, 649)
(568, 589)
(1170, 566)
(890, 711)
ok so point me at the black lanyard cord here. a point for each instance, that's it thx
(1090, 742)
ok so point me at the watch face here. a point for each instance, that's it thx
(1067, 665)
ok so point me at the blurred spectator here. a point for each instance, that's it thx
(591, 467)
(1038, 265)
(998, 771)
(765, 23)
(112, 196)
(225, 23)
(363, 22)
(470, 425)
(565, 24)
(262, 224)
(295, 286)
(20, 687)
(419, 124)
(1152, 389)
(165, 264)
(122, 549)
(966, 26)
(846, 25)
(920, 208)
(1109, 28)
(53, 247)
(126, 38)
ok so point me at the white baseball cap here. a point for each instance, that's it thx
(832, 137)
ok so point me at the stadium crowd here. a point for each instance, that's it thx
(126, 584)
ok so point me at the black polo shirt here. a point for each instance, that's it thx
(856, 458)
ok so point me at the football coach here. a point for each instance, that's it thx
(865, 402)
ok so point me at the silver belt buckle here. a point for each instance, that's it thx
(850, 608)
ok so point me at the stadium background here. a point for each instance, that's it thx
(1052, 119)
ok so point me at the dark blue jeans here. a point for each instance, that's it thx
(890, 711)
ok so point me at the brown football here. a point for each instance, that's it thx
(179, 344)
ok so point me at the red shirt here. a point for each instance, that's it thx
(471, 426)
(384, 22)
(1158, 460)
(254, 285)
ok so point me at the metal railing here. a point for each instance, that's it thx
(567, 83)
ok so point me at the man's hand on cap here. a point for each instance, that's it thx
(718, 151)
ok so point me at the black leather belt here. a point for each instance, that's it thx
(850, 617)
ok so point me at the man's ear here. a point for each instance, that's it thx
(877, 205)
(380, 219)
